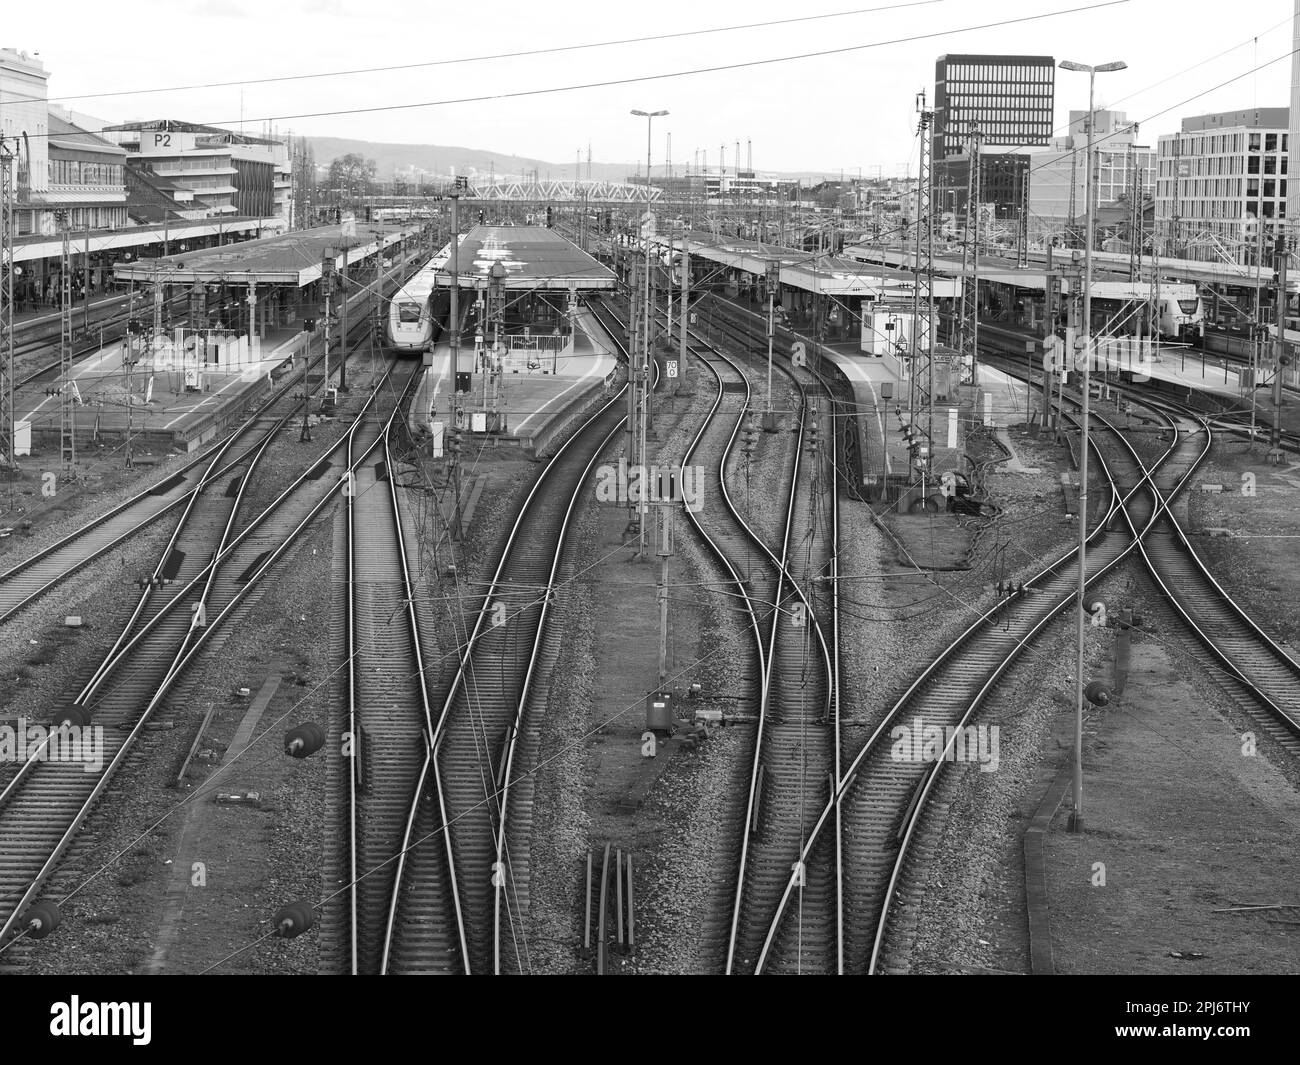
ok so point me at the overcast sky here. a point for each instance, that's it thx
(846, 111)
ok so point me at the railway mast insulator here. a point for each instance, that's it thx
(76, 716)
(294, 919)
(304, 740)
(1097, 693)
(42, 917)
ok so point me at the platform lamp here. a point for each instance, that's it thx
(1084, 342)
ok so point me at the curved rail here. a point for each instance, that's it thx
(49, 790)
(475, 734)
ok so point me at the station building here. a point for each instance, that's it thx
(1217, 177)
(24, 110)
(116, 202)
(225, 172)
(87, 180)
(1122, 166)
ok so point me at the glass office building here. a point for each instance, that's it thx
(1009, 97)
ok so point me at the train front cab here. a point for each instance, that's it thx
(410, 325)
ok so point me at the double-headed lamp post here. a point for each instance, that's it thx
(644, 369)
(649, 117)
(1076, 813)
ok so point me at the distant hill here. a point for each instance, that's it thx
(440, 158)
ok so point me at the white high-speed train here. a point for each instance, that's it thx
(418, 310)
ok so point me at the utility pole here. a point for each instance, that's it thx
(685, 304)
(665, 552)
(453, 450)
(379, 292)
(308, 327)
(923, 348)
(1256, 326)
(633, 374)
(461, 184)
(1076, 823)
(1280, 256)
(8, 164)
(773, 279)
(67, 428)
(1051, 343)
(1072, 233)
(1175, 221)
(343, 313)
(643, 375)
(327, 285)
(970, 302)
(1022, 235)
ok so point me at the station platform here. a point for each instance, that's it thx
(532, 402)
(880, 391)
(40, 316)
(177, 400)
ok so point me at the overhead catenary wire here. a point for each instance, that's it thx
(520, 54)
(667, 75)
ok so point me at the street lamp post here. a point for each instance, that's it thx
(1076, 814)
(643, 371)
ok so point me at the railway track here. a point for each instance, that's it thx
(796, 746)
(878, 801)
(1226, 632)
(390, 712)
(883, 797)
(45, 802)
(1231, 640)
(460, 902)
(27, 580)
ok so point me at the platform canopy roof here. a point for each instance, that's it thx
(294, 258)
(823, 274)
(533, 257)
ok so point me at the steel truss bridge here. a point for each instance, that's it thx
(525, 191)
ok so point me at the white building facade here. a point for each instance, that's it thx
(24, 110)
(1220, 179)
(1123, 167)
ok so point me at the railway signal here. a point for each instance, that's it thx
(309, 327)
(453, 466)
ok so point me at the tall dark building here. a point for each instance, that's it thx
(1010, 98)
